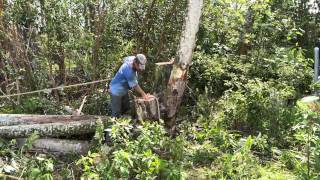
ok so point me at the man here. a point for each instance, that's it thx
(126, 78)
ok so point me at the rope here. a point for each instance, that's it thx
(158, 107)
(48, 90)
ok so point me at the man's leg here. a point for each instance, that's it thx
(125, 104)
(116, 102)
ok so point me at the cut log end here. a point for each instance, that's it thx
(147, 109)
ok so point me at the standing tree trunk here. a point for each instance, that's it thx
(1, 10)
(3, 75)
(98, 33)
(61, 64)
(243, 46)
(178, 78)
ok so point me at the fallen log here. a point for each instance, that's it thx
(23, 119)
(50, 129)
(61, 146)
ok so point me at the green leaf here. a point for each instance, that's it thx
(35, 172)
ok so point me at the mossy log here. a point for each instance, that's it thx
(57, 129)
(147, 109)
(20, 119)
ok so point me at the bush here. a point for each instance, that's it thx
(146, 155)
(258, 107)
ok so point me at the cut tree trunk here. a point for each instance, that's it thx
(62, 146)
(57, 129)
(147, 109)
(178, 78)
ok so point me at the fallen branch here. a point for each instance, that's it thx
(165, 63)
(78, 112)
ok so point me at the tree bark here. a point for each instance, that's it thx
(49, 129)
(147, 109)
(12, 126)
(24, 119)
(1, 9)
(61, 64)
(61, 146)
(178, 78)
(243, 45)
(162, 39)
(98, 33)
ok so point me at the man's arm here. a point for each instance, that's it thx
(140, 91)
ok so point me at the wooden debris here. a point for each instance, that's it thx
(165, 63)
(78, 112)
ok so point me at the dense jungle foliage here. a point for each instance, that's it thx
(242, 116)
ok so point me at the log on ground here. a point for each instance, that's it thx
(23, 119)
(61, 146)
(50, 129)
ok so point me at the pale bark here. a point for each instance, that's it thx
(63, 146)
(178, 78)
(24, 119)
(49, 129)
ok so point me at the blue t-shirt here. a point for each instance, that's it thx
(125, 78)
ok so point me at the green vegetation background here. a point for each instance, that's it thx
(241, 118)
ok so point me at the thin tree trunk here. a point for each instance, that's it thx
(99, 29)
(146, 26)
(62, 65)
(178, 78)
(1, 9)
(243, 46)
(22, 57)
(163, 30)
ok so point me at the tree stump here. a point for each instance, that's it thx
(147, 109)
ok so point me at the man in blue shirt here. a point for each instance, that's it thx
(125, 79)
